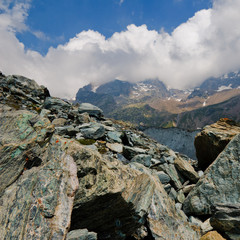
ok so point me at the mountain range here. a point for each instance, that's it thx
(151, 104)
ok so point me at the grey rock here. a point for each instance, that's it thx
(220, 184)
(195, 221)
(115, 147)
(92, 110)
(187, 189)
(66, 130)
(180, 196)
(45, 113)
(93, 131)
(206, 226)
(173, 194)
(130, 152)
(59, 122)
(163, 177)
(81, 234)
(114, 136)
(226, 218)
(167, 188)
(185, 168)
(56, 104)
(83, 117)
(143, 159)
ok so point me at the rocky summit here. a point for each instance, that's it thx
(67, 172)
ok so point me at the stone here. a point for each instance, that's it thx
(66, 130)
(81, 234)
(226, 218)
(114, 136)
(187, 189)
(130, 152)
(92, 110)
(83, 118)
(56, 104)
(206, 226)
(185, 168)
(220, 183)
(59, 122)
(93, 131)
(163, 177)
(180, 196)
(213, 235)
(195, 221)
(38, 180)
(115, 147)
(211, 141)
(116, 201)
(143, 159)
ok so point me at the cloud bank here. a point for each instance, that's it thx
(208, 44)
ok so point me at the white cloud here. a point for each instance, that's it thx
(208, 44)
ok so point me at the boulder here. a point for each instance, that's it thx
(220, 183)
(143, 159)
(186, 169)
(130, 152)
(117, 201)
(211, 141)
(163, 177)
(81, 234)
(115, 147)
(38, 179)
(92, 110)
(93, 131)
(213, 235)
(56, 104)
(226, 218)
(114, 136)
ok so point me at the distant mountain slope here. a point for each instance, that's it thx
(150, 104)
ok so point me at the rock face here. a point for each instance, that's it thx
(213, 139)
(220, 183)
(212, 236)
(226, 218)
(66, 172)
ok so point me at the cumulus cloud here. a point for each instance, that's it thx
(208, 44)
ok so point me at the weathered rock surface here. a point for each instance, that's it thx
(81, 234)
(213, 235)
(213, 139)
(220, 184)
(226, 218)
(49, 146)
(38, 179)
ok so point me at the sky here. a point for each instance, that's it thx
(66, 44)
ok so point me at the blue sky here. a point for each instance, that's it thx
(66, 44)
(60, 20)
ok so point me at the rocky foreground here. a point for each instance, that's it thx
(66, 172)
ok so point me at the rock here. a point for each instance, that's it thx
(56, 104)
(180, 196)
(185, 168)
(212, 236)
(83, 118)
(220, 184)
(163, 177)
(226, 218)
(116, 201)
(59, 122)
(81, 234)
(213, 139)
(115, 147)
(187, 189)
(92, 110)
(130, 152)
(93, 131)
(195, 221)
(66, 130)
(38, 180)
(143, 159)
(206, 226)
(114, 136)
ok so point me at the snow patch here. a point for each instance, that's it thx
(221, 88)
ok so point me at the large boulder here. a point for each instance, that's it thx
(117, 201)
(220, 183)
(226, 218)
(92, 110)
(213, 139)
(38, 179)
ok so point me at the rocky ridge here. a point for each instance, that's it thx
(69, 173)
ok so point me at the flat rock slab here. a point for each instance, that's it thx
(220, 183)
(213, 235)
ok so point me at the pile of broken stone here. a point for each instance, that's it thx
(67, 172)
